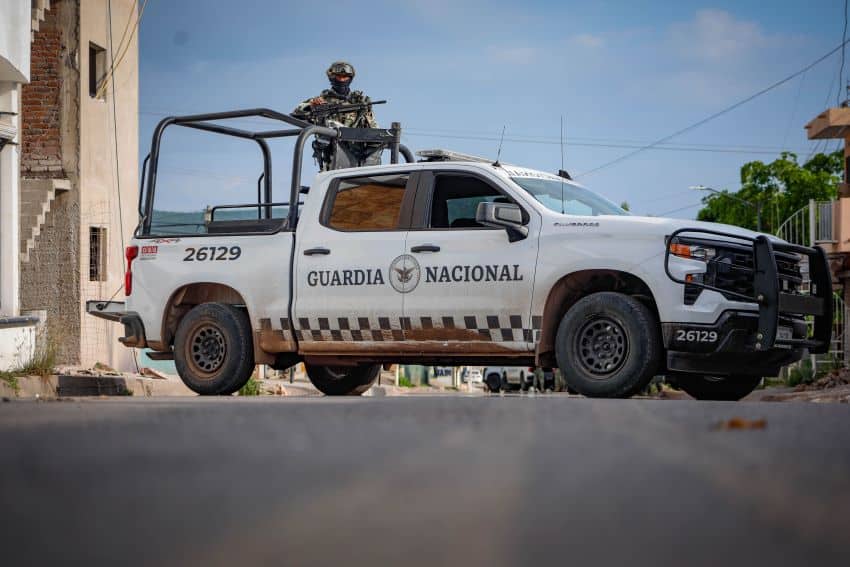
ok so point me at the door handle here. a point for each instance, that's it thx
(425, 248)
(317, 251)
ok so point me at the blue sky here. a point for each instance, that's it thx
(454, 72)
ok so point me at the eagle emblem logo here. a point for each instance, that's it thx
(404, 273)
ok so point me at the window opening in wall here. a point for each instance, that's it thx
(97, 254)
(97, 68)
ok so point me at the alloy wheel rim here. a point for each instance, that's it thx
(602, 346)
(207, 349)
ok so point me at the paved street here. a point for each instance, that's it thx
(423, 481)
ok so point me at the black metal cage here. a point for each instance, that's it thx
(299, 129)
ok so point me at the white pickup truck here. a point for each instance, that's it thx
(454, 260)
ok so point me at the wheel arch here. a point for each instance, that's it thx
(187, 296)
(575, 286)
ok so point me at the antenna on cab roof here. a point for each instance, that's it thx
(563, 172)
(499, 153)
(560, 171)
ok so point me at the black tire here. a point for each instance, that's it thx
(726, 388)
(213, 349)
(343, 380)
(493, 381)
(608, 346)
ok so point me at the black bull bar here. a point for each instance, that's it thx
(766, 293)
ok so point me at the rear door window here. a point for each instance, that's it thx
(372, 203)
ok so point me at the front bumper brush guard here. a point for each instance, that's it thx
(771, 301)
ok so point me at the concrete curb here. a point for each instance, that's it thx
(73, 385)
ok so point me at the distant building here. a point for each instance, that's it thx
(78, 152)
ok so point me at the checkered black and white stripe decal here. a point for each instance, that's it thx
(490, 328)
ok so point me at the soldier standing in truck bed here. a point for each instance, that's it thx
(340, 74)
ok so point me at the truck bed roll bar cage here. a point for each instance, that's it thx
(300, 129)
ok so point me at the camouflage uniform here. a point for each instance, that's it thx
(332, 154)
(348, 119)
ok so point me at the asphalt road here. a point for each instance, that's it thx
(423, 481)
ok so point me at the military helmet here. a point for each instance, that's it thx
(340, 68)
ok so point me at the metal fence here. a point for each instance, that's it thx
(810, 225)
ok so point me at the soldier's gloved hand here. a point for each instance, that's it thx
(317, 101)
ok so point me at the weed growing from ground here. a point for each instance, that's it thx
(251, 388)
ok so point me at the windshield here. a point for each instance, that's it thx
(563, 197)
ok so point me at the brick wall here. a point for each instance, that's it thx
(41, 153)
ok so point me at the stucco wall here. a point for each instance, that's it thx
(109, 135)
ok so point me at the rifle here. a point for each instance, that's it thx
(323, 111)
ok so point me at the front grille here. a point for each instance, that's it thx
(732, 270)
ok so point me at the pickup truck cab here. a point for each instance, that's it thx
(455, 260)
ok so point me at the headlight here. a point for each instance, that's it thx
(693, 251)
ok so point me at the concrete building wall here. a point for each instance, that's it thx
(80, 169)
(108, 170)
(50, 150)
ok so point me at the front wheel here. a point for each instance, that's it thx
(343, 380)
(213, 349)
(608, 345)
(724, 388)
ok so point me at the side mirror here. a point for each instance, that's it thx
(502, 215)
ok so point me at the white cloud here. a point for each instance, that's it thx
(717, 36)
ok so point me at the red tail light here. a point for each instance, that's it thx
(130, 253)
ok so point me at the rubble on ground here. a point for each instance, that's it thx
(834, 379)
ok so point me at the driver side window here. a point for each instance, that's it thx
(456, 198)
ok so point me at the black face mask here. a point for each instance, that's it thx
(342, 88)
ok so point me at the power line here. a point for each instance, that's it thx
(122, 50)
(793, 109)
(679, 209)
(577, 141)
(115, 140)
(600, 145)
(841, 69)
(716, 114)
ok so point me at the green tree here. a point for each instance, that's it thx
(625, 206)
(782, 187)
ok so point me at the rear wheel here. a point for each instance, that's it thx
(213, 349)
(727, 388)
(343, 380)
(608, 346)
